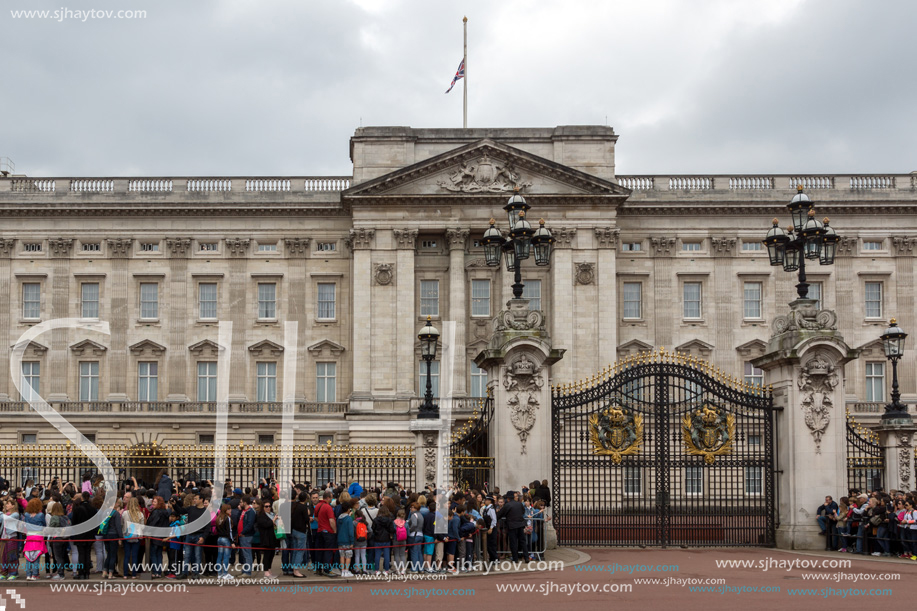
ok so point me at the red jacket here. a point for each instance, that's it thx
(324, 515)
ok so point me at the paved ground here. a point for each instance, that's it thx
(768, 578)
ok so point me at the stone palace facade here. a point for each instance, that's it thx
(359, 262)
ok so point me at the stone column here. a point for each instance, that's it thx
(607, 242)
(360, 241)
(458, 301)
(59, 359)
(805, 365)
(119, 251)
(898, 440)
(405, 363)
(8, 287)
(179, 251)
(665, 291)
(518, 362)
(297, 249)
(563, 319)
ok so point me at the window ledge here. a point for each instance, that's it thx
(29, 321)
(148, 321)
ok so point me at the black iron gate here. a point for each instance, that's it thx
(865, 458)
(470, 460)
(662, 449)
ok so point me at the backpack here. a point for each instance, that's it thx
(360, 531)
(401, 533)
(103, 527)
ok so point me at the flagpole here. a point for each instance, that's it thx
(465, 85)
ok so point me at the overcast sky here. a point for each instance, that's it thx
(277, 88)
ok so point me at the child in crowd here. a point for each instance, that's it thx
(346, 534)
(361, 534)
(399, 553)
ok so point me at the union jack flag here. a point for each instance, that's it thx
(460, 73)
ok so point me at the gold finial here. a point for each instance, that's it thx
(811, 214)
(493, 221)
(893, 322)
(541, 221)
(776, 221)
(464, 19)
(429, 318)
(522, 214)
(799, 188)
(826, 220)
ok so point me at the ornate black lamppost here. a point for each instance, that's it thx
(522, 241)
(429, 336)
(808, 238)
(893, 342)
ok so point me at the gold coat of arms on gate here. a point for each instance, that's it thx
(616, 432)
(708, 432)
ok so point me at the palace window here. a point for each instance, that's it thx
(429, 297)
(694, 480)
(752, 246)
(267, 247)
(31, 300)
(632, 300)
(267, 382)
(532, 292)
(148, 385)
(872, 244)
(480, 297)
(873, 300)
(209, 246)
(267, 300)
(478, 381)
(265, 440)
(752, 296)
(875, 381)
(692, 292)
(207, 381)
(753, 375)
(91, 247)
(89, 381)
(631, 246)
(434, 378)
(326, 246)
(326, 301)
(633, 481)
(149, 247)
(207, 295)
(326, 382)
(754, 481)
(31, 378)
(89, 300)
(31, 247)
(149, 300)
(815, 292)
(691, 246)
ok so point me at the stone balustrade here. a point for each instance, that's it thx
(170, 185)
(177, 407)
(875, 407)
(765, 182)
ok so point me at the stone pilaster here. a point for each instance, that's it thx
(405, 313)
(905, 250)
(297, 293)
(898, 441)
(360, 242)
(7, 288)
(723, 285)
(179, 249)
(121, 316)
(606, 239)
(665, 290)
(59, 358)
(563, 319)
(805, 365)
(458, 303)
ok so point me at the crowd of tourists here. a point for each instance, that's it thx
(875, 523)
(334, 529)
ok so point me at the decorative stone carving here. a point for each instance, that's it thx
(456, 238)
(261, 348)
(429, 465)
(817, 380)
(804, 317)
(606, 237)
(178, 247)
(360, 238)
(325, 347)
(60, 247)
(662, 247)
(904, 461)
(476, 263)
(206, 348)
(846, 245)
(519, 318)
(405, 238)
(147, 346)
(723, 246)
(87, 347)
(6, 247)
(485, 176)
(237, 247)
(119, 248)
(384, 273)
(523, 381)
(585, 273)
(904, 245)
(296, 247)
(563, 237)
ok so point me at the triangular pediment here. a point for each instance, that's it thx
(32, 350)
(87, 347)
(633, 348)
(264, 347)
(872, 350)
(485, 169)
(148, 346)
(695, 347)
(754, 348)
(325, 346)
(205, 347)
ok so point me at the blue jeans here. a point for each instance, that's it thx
(155, 558)
(32, 568)
(861, 535)
(193, 556)
(383, 551)
(131, 554)
(223, 555)
(822, 523)
(111, 558)
(882, 538)
(297, 541)
(245, 550)
(415, 552)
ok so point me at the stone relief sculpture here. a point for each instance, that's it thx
(904, 462)
(384, 274)
(523, 380)
(805, 318)
(484, 177)
(585, 273)
(817, 380)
